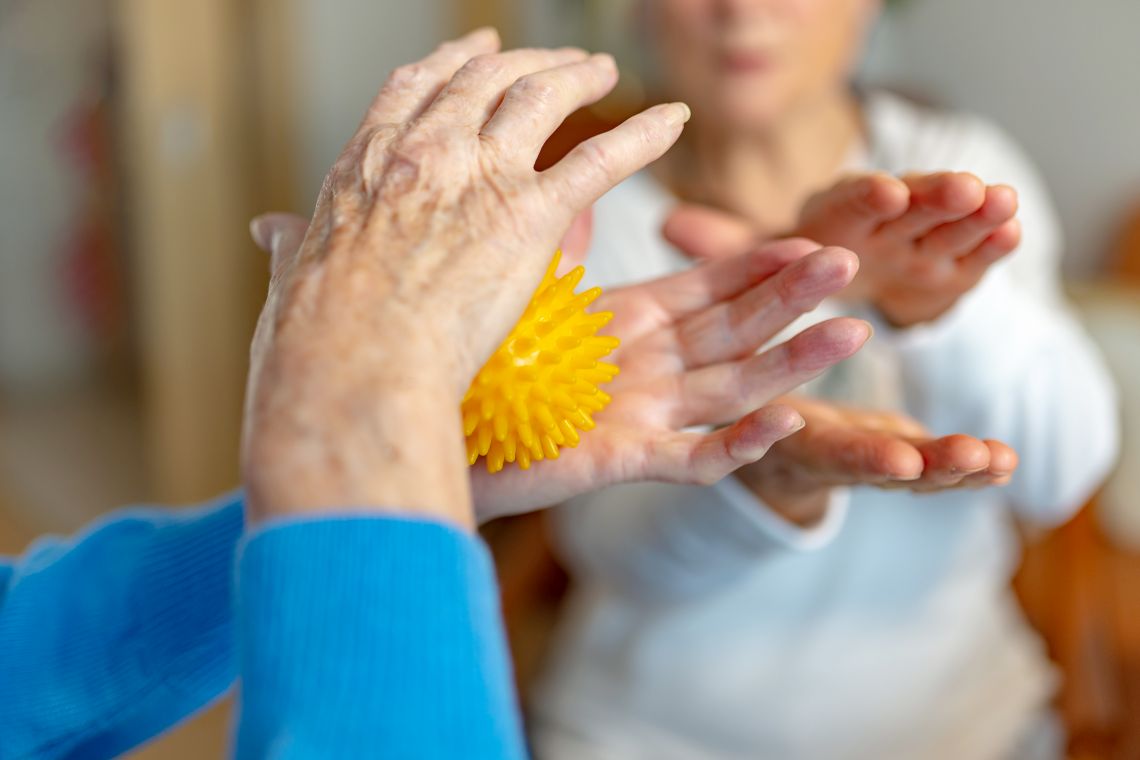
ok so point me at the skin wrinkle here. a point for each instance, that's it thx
(425, 246)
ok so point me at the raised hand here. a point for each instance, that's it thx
(688, 358)
(841, 446)
(923, 241)
(429, 237)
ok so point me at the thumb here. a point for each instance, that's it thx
(576, 242)
(705, 234)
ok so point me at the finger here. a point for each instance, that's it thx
(411, 88)
(855, 455)
(984, 480)
(736, 328)
(476, 90)
(1001, 242)
(1003, 463)
(715, 395)
(593, 167)
(959, 238)
(576, 242)
(280, 235)
(1003, 459)
(935, 199)
(710, 283)
(536, 104)
(856, 206)
(705, 233)
(707, 458)
(892, 423)
(949, 459)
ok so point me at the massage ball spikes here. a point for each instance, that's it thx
(541, 386)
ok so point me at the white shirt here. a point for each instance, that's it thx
(705, 626)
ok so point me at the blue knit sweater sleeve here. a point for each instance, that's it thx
(368, 637)
(358, 637)
(110, 637)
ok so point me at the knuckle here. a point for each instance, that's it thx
(789, 291)
(483, 66)
(405, 77)
(536, 91)
(375, 148)
(653, 133)
(448, 47)
(929, 272)
(599, 157)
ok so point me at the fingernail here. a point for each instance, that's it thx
(603, 59)
(870, 329)
(679, 113)
(260, 232)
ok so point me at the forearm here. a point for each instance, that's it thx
(108, 639)
(372, 637)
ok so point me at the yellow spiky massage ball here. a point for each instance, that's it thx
(541, 386)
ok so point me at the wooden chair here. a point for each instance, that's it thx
(1079, 590)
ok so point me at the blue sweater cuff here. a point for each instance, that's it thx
(113, 636)
(368, 637)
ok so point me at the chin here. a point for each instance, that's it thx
(743, 112)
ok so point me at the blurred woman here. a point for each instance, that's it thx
(781, 613)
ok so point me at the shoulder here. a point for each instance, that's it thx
(906, 136)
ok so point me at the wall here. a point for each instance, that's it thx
(1062, 76)
(345, 49)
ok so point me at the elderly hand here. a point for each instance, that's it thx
(923, 241)
(429, 236)
(687, 359)
(840, 446)
(845, 447)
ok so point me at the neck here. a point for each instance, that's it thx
(766, 174)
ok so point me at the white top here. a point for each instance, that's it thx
(705, 626)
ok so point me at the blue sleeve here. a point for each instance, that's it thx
(113, 636)
(370, 637)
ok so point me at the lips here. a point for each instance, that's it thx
(746, 61)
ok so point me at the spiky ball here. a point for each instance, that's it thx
(540, 388)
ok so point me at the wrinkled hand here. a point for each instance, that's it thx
(429, 236)
(923, 240)
(841, 446)
(687, 359)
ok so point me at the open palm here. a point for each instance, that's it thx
(688, 360)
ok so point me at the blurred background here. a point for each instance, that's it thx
(138, 137)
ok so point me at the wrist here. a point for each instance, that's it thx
(797, 501)
(396, 446)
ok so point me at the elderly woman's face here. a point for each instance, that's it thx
(745, 63)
